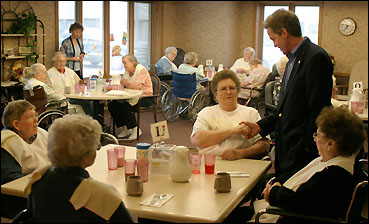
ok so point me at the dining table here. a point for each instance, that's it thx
(97, 96)
(192, 201)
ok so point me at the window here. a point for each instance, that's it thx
(309, 21)
(94, 19)
(67, 16)
(93, 40)
(118, 35)
(270, 54)
(142, 34)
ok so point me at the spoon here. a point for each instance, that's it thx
(157, 198)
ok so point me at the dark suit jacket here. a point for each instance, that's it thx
(308, 90)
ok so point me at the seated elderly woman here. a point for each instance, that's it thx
(281, 67)
(136, 76)
(217, 127)
(73, 141)
(188, 67)
(36, 75)
(23, 149)
(165, 65)
(242, 65)
(62, 76)
(324, 187)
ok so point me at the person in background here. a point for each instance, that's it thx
(306, 90)
(136, 76)
(257, 77)
(324, 187)
(242, 66)
(36, 75)
(188, 67)
(165, 65)
(75, 197)
(217, 127)
(281, 67)
(62, 76)
(23, 149)
(73, 48)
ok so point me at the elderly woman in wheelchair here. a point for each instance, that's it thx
(218, 128)
(325, 186)
(36, 75)
(187, 96)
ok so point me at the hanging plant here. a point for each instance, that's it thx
(33, 57)
(25, 25)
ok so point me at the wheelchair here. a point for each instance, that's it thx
(183, 99)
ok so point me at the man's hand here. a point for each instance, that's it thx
(254, 128)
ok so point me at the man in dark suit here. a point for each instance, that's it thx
(306, 89)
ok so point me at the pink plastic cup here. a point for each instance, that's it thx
(209, 162)
(121, 150)
(112, 159)
(129, 167)
(143, 169)
(196, 162)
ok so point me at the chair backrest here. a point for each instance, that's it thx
(359, 202)
(184, 85)
(37, 97)
(156, 83)
(269, 87)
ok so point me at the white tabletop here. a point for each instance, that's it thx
(194, 201)
(131, 93)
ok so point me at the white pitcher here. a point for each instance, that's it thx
(179, 165)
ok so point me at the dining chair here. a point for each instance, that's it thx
(269, 104)
(156, 85)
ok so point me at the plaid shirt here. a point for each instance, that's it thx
(68, 49)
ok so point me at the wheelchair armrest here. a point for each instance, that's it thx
(283, 212)
(57, 103)
(202, 80)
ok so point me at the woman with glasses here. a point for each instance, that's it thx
(324, 187)
(64, 191)
(23, 149)
(217, 127)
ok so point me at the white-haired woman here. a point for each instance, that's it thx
(165, 65)
(242, 65)
(136, 76)
(188, 67)
(62, 76)
(73, 141)
(281, 67)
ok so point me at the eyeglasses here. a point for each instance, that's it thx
(225, 88)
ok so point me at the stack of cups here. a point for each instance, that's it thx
(143, 160)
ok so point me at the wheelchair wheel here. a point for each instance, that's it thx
(46, 118)
(197, 103)
(163, 88)
(170, 106)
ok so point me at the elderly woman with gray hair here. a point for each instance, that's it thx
(242, 65)
(165, 65)
(36, 75)
(188, 67)
(73, 141)
(62, 76)
(23, 149)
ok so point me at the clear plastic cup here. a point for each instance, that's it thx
(121, 154)
(196, 162)
(112, 159)
(209, 162)
(129, 167)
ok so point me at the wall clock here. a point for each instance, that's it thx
(347, 26)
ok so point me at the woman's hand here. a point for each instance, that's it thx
(241, 70)
(75, 58)
(231, 154)
(268, 188)
(241, 129)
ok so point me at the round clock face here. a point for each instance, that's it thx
(347, 26)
